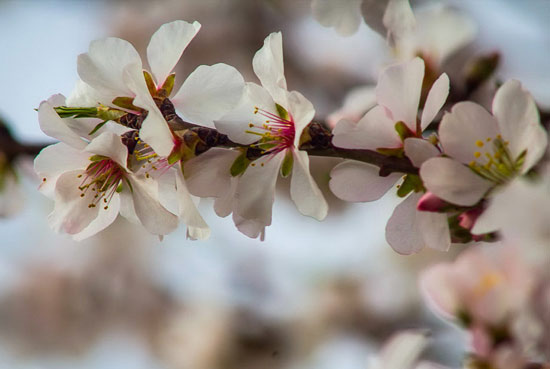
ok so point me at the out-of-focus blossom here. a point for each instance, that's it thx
(272, 120)
(485, 150)
(391, 18)
(11, 195)
(392, 127)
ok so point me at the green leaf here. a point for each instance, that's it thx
(168, 85)
(397, 152)
(403, 131)
(288, 162)
(174, 156)
(150, 83)
(411, 183)
(96, 128)
(240, 164)
(282, 112)
(125, 103)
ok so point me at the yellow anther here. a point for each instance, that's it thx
(253, 164)
(479, 143)
(472, 163)
(489, 139)
(477, 154)
(250, 125)
(106, 207)
(262, 164)
(78, 176)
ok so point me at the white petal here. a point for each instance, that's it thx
(343, 15)
(236, 123)
(398, 19)
(356, 181)
(399, 88)
(437, 284)
(154, 129)
(435, 100)
(103, 66)
(434, 228)
(251, 228)
(55, 160)
(453, 182)
(71, 213)
(166, 46)
(85, 95)
(302, 112)
(208, 175)
(168, 195)
(419, 150)
(127, 209)
(54, 126)
(375, 130)
(105, 218)
(110, 145)
(519, 122)
(223, 205)
(154, 217)
(304, 191)
(403, 349)
(209, 93)
(403, 231)
(256, 189)
(357, 102)
(268, 66)
(460, 129)
(196, 226)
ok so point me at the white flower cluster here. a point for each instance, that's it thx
(124, 149)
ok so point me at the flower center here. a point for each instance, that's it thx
(495, 162)
(276, 134)
(150, 163)
(487, 282)
(103, 176)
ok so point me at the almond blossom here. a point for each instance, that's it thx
(392, 127)
(271, 120)
(484, 150)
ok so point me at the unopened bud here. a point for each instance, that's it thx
(430, 202)
(467, 219)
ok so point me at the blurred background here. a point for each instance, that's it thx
(311, 296)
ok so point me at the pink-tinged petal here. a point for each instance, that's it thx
(519, 123)
(398, 19)
(357, 181)
(403, 231)
(110, 145)
(268, 66)
(304, 191)
(208, 175)
(430, 202)
(343, 15)
(55, 160)
(154, 217)
(435, 100)
(71, 213)
(256, 189)
(209, 93)
(236, 123)
(197, 228)
(453, 182)
(302, 112)
(403, 349)
(462, 128)
(375, 130)
(437, 284)
(251, 228)
(54, 126)
(419, 150)
(105, 218)
(398, 90)
(154, 129)
(166, 46)
(103, 65)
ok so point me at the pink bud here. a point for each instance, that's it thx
(430, 202)
(468, 218)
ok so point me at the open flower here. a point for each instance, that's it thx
(112, 70)
(272, 119)
(392, 127)
(92, 184)
(485, 150)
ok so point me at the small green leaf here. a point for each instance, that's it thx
(397, 152)
(168, 85)
(282, 112)
(125, 103)
(68, 112)
(95, 158)
(288, 162)
(240, 164)
(174, 156)
(150, 83)
(403, 131)
(410, 183)
(98, 127)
